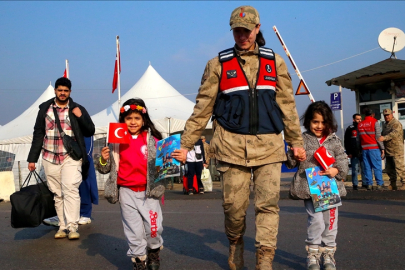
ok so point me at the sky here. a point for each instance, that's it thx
(177, 39)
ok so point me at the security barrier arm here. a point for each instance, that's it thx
(311, 98)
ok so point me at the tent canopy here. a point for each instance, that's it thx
(21, 128)
(168, 109)
(389, 69)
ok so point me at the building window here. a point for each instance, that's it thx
(374, 91)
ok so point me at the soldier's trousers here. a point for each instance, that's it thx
(236, 191)
(394, 167)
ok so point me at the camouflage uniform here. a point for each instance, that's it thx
(207, 153)
(394, 151)
(240, 155)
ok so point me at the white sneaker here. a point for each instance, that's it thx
(84, 220)
(52, 221)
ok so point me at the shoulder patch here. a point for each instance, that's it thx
(226, 55)
(266, 53)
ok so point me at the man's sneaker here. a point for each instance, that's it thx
(73, 235)
(52, 221)
(355, 187)
(139, 262)
(328, 256)
(201, 191)
(313, 258)
(369, 187)
(61, 234)
(190, 192)
(153, 262)
(84, 220)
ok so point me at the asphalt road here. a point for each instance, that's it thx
(371, 236)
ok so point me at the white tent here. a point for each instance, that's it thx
(16, 136)
(167, 108)
(20, 129)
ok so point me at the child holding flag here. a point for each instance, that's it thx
(322, 226)
(132, 169)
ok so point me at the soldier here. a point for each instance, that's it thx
(248, 90)
(393, 138)
(206, 151)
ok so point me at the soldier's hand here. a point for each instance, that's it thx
(299, 153)
(180, 155)
(382, 154)
(76, 111)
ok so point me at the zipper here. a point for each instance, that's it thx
(253, 111)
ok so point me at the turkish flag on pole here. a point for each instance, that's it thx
(324, 157)
(65, 74)
(115, 79)
(118, 133)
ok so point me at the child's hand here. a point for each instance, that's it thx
(105, 154)
(331, 172)
(299, 153)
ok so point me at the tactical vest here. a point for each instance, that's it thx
(367, 133)
(244, 110)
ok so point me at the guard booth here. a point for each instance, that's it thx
(379, 86)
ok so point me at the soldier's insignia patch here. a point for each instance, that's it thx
(268, 68)
(231, 74)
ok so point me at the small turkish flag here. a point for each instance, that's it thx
(118, 133)
(324, 157)
(65, 74)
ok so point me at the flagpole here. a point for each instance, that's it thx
(67, 68)
(311, 98)
(118, 75)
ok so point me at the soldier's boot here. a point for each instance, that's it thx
(328, 257)
(313, 258)
(393, 185)
(235, 259)
(264, 258)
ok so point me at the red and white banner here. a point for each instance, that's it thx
(324, 157)
(116, 71)
(65, 74)
(118, 133)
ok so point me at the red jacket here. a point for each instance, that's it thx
(367, 133)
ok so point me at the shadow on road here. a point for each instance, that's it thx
(34, 233)
(111, 248)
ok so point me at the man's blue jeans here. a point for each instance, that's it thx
(355, 162)
(372, 160)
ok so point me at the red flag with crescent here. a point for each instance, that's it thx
(118, 133)
(324, 157)
(116, 70)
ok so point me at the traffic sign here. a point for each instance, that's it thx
(335, 101)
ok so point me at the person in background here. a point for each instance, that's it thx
(248, 91)
(353, 150)
(88, 191)
(63, 173)
(372, 150)
(206, 151)
(195, 164)
(393, 138)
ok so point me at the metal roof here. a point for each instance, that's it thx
(389, 69)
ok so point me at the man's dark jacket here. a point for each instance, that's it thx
(352, 141)
(82, 126)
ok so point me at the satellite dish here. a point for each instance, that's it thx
(392, 40)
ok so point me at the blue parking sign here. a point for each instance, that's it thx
(335, 101)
